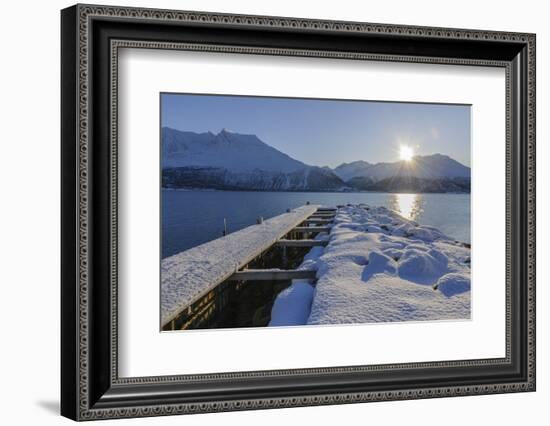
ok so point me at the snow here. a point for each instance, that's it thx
(232, 151)
(188, 275)
(380, 267)
(452, 284)
(420, 265)
(292, 305)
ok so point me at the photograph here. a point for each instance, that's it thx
(283, 212)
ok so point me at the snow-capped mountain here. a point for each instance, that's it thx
(346, 171)
(232, 151)
(436, 166)
(230, 160)
(234, 161)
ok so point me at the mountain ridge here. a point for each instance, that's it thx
(233, 161)
(433, 166)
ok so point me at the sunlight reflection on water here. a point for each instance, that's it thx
(408, 205)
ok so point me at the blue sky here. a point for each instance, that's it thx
(328, 132)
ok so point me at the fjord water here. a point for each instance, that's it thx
(193, 217)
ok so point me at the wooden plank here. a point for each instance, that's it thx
(301, 243)
(312, 229)
(317, 221)
(272, 275)
(189, 275)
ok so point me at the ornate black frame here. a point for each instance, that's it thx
(91, 37)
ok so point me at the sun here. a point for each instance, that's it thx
(406, 153)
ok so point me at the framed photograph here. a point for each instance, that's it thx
(263, 212)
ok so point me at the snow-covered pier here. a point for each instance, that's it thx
(316, 265)
(189, 278)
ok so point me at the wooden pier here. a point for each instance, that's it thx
(197, 283)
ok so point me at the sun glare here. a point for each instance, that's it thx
(406, 153)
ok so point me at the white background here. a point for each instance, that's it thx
(29, 225)
(146, 352)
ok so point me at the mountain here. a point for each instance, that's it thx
(233, 151)
(236, 161)
(346, 171)
(436, 166)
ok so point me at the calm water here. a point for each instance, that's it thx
(190, 218)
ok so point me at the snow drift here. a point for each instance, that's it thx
(380, 267)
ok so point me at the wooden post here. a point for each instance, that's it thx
(224, 227)
(301, 243)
